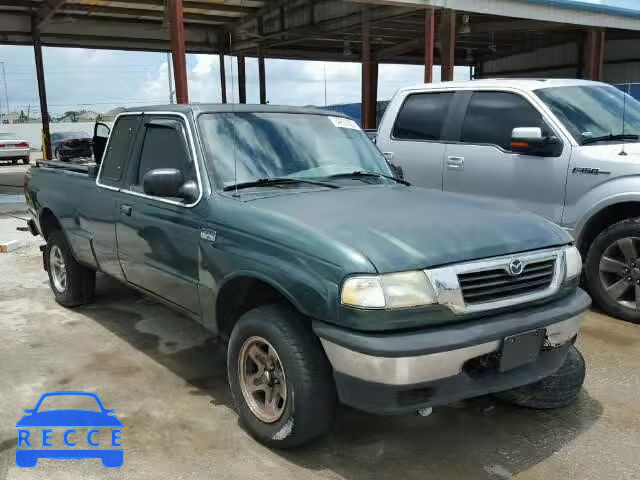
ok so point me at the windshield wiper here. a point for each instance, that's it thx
(611, 136)
(368, 173)
(273, 181)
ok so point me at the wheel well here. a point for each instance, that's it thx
(240, 295)
(48, 223)
(604, 219)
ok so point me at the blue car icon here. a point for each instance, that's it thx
(28, 457)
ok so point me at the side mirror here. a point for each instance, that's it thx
(163, 182)
(28, 410)
(530, 141)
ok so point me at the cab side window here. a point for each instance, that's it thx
(491, 117)
(422, 116)
(117, 154)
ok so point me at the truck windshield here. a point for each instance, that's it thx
(593, 111)
(249, 146)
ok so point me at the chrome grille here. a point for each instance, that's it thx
(497, 284)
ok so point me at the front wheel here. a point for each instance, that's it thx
(72, 283)
(612, 270)
(280, 379)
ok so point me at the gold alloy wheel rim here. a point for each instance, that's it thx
(262, 379)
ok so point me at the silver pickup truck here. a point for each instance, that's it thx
(558, 148)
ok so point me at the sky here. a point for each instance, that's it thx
(100, 80)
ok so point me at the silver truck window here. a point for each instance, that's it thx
(590, 111)
(422, 116)
(491, 117)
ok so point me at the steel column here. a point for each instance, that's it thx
(176, 32)
(594, 54)
(261, 80)
(369, 76)
(42, 93)
(223, 79)
(429, 43)
(242, 82)
(447, 44)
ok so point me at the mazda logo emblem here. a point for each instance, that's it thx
(516, 266)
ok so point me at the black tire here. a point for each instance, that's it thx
(26, 160)
(623, 229)
(80, 280)
(14, 161)
(555, 391)
(311, 395)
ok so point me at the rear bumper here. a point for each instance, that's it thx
(395, 373)
(11, 153)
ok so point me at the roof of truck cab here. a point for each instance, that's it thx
(232, 108)
(520, 83)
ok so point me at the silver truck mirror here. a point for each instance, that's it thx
(530, 141)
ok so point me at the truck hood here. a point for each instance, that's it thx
(402, 228)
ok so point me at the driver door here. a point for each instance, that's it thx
(482, 164)
(158, 238)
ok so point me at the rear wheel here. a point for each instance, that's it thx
(14, 161)
(280, 379)
(612, 270)
(72, 284)
(555, 391)
(26, 160)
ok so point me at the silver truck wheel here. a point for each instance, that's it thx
(262, 379)
(620, 271)
(612, 270)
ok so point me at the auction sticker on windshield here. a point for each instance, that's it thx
(88, 431)
(342, 122)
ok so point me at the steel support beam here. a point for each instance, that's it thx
(369, 76)
(42, 93)
(176, 32)
(447, 44)
(46, 11)
(594, 54)
(223, 79)
(242, 81)
(261, 80)
(429, 44)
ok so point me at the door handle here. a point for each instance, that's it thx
(388, 156)
(455, 163)
(126, 210)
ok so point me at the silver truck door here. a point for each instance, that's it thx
(414, 140)
(481, 162)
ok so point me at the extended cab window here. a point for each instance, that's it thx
(115, 158)
(164, 147)
(422, 116)
(492, 116)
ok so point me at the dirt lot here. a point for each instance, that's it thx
(165, 379)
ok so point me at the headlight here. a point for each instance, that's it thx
(394, 290)
(573, 262)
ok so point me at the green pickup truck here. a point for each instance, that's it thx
(285, 232)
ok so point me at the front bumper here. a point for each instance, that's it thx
(395, 373)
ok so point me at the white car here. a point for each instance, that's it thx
(13, 148)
